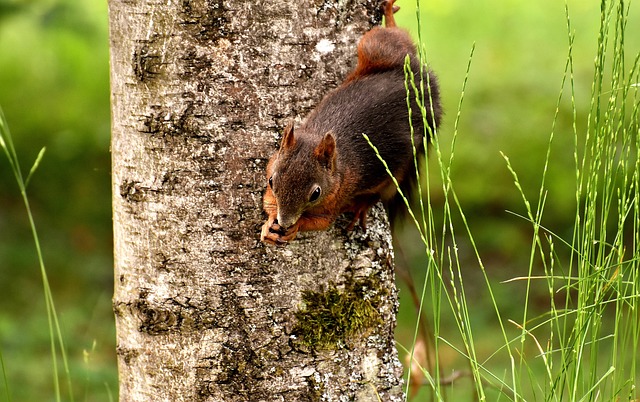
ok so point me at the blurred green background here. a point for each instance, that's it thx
(54, 89)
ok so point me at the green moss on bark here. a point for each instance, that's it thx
(331, 317)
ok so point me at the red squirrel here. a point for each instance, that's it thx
(326, 167)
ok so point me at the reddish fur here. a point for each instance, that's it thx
(389, 9)
(288, 140)
(375, 55)
(379, 50)
(325, 151)
(270, 206)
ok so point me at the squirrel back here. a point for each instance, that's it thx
(327, 167)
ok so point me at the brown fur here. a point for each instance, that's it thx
(325, 167)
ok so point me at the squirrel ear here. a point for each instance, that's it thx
(326, 150)
(288, 140)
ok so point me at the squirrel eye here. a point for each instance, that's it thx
(271, 181)
(316, 194)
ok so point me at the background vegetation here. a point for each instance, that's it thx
(55, 93)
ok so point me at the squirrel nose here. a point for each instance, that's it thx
(286, 220)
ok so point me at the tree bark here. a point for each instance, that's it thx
(204, 311)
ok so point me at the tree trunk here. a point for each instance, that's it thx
(204, 311)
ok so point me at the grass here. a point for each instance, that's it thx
(584, 346)
(64, 107)
(55, 334)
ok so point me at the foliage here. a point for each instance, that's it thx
(55, 336)
(581, 343)
(54, 91)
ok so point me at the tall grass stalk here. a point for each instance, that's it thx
(592, 340)
(55, 334)
(444, 255)
(4, 378)
(586, 345)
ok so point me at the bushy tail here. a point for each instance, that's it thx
(396, 207)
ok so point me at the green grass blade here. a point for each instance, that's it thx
(35, 165)
(4, 375)
(55, 333)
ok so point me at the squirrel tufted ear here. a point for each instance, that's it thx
(288, 140)
(326, 150)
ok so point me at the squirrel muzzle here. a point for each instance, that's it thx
(286, 219)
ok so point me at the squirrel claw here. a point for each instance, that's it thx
(274, 239)
(360, 215)
(273, 233)
(275, 228)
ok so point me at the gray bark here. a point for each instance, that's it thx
(204, 311)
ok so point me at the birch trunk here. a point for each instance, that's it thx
(204, 311)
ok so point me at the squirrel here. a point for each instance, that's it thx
(326, 168)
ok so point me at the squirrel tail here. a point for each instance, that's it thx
(396, 207)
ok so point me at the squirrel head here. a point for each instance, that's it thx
(302, 174)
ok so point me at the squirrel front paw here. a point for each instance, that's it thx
(273, 233)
